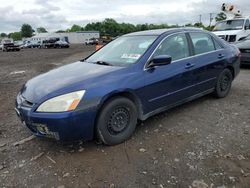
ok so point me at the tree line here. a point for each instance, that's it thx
(26, 31)
(108, 27)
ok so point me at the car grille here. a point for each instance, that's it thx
(228, 38)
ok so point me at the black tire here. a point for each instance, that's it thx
(224, 83)
(116, 121)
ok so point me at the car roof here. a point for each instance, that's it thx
(157, 32)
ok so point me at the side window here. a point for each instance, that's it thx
(202, 42)
(176, 46)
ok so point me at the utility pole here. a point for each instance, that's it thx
(200, 18)
(210, 19)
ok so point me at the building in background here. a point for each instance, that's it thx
(71, 37)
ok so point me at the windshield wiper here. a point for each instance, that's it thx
(103, 63)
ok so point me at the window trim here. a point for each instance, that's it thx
(150, 57)
(192, 55)
(176, 34)
(191, 45)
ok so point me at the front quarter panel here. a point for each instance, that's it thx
(102, 88)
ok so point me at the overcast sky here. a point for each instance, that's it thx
(61, 14)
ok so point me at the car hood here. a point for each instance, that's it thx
(61, 78)
(244, 44)
(227, 32)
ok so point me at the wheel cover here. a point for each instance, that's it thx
(225, 82)
(118, 120)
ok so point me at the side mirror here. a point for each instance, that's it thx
(247, 27)
(160, 60)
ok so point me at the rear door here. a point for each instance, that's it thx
(210, 59)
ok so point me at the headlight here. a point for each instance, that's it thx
(62, 103)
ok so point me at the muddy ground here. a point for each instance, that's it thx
(205, 143)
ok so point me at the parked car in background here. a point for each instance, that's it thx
(31, 44)
(92, 41)
(26, 44)
(8, 45)
(244, 46)
(50, 43)
(36, 44)
(233, 30)
(55, 43)
(131, 78)
(61, 44)
(19, 43)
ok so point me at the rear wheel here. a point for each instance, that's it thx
(224, 83)
(117, 121)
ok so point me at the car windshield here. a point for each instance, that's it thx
(229, 25)
(123, 50)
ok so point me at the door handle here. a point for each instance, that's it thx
(221, 56)
(189, 65)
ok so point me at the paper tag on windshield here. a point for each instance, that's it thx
(130, 56)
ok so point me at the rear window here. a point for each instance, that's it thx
(203, 43)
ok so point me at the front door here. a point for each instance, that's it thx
(169, 84)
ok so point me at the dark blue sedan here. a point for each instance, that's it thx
(130, 79)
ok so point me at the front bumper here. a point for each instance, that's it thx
(64, 126)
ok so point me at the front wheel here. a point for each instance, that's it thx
(224, 83)
(116, 121)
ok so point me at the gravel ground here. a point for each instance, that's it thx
(202, 144)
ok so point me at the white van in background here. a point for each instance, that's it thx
(233, 30)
